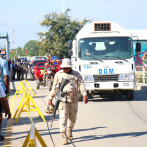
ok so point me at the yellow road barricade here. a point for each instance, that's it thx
(22, 88)
(30, 140)
(27, 102)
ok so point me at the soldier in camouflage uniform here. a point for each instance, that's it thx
(68, 110)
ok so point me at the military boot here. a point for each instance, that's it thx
(69, 134)
(64, 138)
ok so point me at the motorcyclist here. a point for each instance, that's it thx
(47, 70)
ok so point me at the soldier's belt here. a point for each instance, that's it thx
(70, 93)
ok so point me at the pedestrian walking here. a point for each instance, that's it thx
(4, 106)
(68, 110)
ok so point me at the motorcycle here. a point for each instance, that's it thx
(48, 79)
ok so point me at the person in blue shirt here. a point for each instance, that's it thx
(4, 76)
(4, 81)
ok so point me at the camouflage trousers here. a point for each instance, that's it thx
(67, 115)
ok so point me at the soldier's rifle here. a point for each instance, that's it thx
(59, 97)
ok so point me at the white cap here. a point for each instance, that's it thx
(66, 62)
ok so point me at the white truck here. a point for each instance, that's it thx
(102, 52)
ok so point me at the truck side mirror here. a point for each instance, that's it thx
(138, 47)
(70, 52)
(69, 44)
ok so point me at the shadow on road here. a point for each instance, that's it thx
(94, 137)
(139, 95)
(56, 131)
(12, 92)
(108, 98)
(36, 119)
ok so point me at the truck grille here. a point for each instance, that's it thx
(103, 78)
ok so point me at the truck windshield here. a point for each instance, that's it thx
(107, 48)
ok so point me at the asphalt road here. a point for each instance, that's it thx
(107, 121)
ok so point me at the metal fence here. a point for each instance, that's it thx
(141, 74)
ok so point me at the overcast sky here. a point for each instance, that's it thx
(24, 16)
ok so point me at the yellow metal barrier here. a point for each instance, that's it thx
(26, 102)
(22, 88)
(30, 140)
(30, 89)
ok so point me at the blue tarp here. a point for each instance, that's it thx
(54, 58)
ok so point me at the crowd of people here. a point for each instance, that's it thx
(18, 69)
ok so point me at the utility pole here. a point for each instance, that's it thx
(62, 6)
(14, 41)
(13, 38)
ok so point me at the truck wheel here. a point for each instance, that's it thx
(49, 85)
(90, 96)
(37, 84)
(80, 97)
(130, 95)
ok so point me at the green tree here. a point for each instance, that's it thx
(19, 52)
(32, 48)
(61, 28)
(13, 54)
